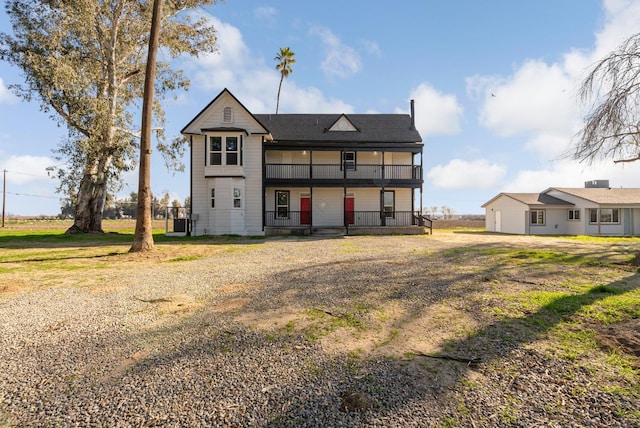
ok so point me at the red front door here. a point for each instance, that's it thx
(305, 210)
(349, 208)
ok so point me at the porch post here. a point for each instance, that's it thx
(383, 218)
(264, 188)
(421, 179)
(310, 191)
(345, 217)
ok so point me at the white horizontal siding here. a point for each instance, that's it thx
(200, 190)
(512, 217)
(253, 185)
(212, 117)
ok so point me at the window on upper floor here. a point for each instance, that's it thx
(349, 160)
(225, 150)
(537, 217)
(227, 115)
(232, 150)
(215, 150)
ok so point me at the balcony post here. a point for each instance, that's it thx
(264, 188)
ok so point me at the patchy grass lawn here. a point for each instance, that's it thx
(576, 299)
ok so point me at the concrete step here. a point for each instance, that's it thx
(328, 231)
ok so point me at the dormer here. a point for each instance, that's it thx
(343, 124)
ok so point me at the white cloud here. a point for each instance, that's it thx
(462, 174)
(622, 19)
(26, 168)
(436, 113)
(6, 97)
(266, 14)
(254, 81)
(567, 174)
(340, 60)
(371, 47)
(538, 100)
(220, 69)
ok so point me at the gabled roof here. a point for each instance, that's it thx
(370, 128)
(224, 91)
(532, 199)
(603, 196)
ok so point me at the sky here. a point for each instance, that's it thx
(494, 82)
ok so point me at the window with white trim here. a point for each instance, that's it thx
(215, 150)
(574, 215)
(232, 150)
(388, 202)
(237, 198)
(537, 217)
(225, 150)
(607, 216)
(213, 198)
(349, 160)
(282, 204)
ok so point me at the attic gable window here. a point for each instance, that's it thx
(227, 115)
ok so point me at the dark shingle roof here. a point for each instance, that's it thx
(372, 128)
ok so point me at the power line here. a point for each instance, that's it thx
(34, 196)
(27, 174)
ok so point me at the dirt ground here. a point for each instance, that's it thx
(624, 337)
(444, 320)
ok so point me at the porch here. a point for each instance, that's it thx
(354, 222)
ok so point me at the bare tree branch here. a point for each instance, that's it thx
(612, 87)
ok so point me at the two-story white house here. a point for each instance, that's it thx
(257, 174)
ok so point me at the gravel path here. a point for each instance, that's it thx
(86, 356)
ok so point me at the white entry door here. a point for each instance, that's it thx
(498, 221)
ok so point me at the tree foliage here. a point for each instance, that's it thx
(83, 61)
(612, 87)
(285, 59)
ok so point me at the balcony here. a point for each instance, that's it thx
(335, 174)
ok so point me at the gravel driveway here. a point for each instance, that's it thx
(291, 332)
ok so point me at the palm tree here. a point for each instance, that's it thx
(285, 59)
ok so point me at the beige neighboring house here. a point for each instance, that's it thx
(595, 209)
(262, 174)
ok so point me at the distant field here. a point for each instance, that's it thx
(454, 224)
(124, 225)
(107, 225)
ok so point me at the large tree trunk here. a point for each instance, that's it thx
(143, 238)
(90, 204)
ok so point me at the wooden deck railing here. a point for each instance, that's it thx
(335, 172)
(290, 218)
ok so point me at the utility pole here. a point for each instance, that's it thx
(4, 193)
